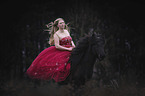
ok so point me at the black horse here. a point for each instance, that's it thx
(83, 57)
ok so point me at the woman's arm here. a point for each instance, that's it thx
(73, 45)
(58, 46)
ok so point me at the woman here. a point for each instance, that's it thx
(52, 63)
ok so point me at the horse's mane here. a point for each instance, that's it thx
(79, 52)
(82, 58)
(81, 45)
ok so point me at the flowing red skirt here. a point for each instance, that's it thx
(51, 63)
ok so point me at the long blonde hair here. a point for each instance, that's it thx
(52, 28)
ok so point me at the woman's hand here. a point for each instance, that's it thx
(70, 48)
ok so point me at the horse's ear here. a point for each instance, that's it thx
(94, 34)
(91, 31)
(90, 34)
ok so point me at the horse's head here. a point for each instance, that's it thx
(97, 42)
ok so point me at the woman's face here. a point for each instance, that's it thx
(61, 24)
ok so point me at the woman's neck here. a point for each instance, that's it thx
(61, 30)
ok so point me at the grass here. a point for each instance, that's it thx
(45, 88)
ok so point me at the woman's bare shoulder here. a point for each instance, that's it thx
(56, 34)
(66, 31)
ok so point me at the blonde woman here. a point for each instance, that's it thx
(52, 63)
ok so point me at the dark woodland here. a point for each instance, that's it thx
(24, 36)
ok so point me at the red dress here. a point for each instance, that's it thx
(51, 63)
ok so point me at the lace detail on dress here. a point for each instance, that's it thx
(66, 41)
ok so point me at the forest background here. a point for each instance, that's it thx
(23, 37)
